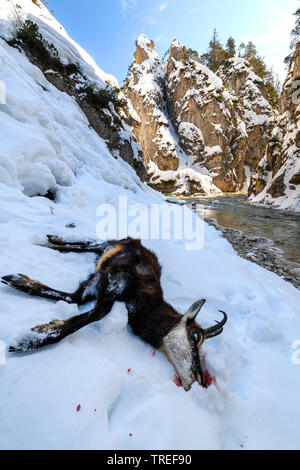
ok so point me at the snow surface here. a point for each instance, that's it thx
(126, 393)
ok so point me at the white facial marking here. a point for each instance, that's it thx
(179, 352)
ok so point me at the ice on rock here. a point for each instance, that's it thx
(36, 179)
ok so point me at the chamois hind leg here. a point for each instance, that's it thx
(57, 243)
(55, 331)
(86, 291)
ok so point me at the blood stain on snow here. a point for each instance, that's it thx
(177, 381)
(78, 408)
(209, 379)
(130, 435)
(130, 372)
(153, 354)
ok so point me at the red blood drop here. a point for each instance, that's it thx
(78, 408)
(242, 446)
(204, 356)
(177, 381)
(130, 435)
(153, 354)
(209, 379)
(129, 370)
(95, 410)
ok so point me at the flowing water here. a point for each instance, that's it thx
(267, 236)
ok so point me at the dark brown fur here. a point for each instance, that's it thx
(131, 275)
(126, 272)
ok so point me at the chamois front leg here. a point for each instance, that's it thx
(23, 283)
(56, 330)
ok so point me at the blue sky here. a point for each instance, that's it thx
(107, 29)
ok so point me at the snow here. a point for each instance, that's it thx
(102, 388)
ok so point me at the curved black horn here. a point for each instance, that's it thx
(216, 329)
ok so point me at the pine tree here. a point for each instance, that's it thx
(192, 54)
(295, 33)
(230, 48)
(215, 55)
(242, 47)
(273, 86)
(165, 56)
(260, 68)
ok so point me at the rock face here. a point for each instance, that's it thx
(197, 133)
(252, 106)
(168, 167)
(144, 89)
(276, 181)
(203, 115)
(106, 122)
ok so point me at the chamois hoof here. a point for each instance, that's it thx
(55, 239)
(15, 280)
(7, 280)
(18, 281)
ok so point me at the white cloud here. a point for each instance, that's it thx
(163, 6)
(128, 4)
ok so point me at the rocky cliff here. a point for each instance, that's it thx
(276, 181)
(201, 132)
(169, 168)
(252, 105)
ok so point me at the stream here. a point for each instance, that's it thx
(266, 236)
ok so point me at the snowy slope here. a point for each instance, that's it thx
(255, 400)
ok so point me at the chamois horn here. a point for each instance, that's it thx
(216, 329)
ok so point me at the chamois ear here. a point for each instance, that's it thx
(193, 311)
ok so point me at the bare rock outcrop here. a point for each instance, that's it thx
(168, 166)
(252, 105)
(202, 111)
(201, 132)
(144, 90)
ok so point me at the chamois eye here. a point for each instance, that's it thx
(196, 336)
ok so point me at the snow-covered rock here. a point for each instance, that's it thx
(106, 122)
(202, 111)
(276, 181)
(252, 105)
(201, 132)
(169, 168)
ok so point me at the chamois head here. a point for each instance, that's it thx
(182, 345)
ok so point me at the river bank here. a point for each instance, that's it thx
(268, 237)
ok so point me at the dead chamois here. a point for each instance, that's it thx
(126, 272)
